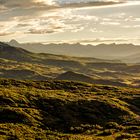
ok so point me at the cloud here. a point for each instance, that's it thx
(110, 23)
(20, 25)
(40, 31)
(106, 40)
(53, 4)
(11, 9)
(131, 26)
(92, 3)
(50, 25)
(44, 26)
(66, 19)
(5, 33)
(95, 30)
(24, 3)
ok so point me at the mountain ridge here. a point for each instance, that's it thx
(102, 51)
(14, 53)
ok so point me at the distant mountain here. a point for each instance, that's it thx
(13, 42)
(102, 51)
(135, 58)
(22, 54)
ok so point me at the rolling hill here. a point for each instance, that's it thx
(19, 64)
(45, 106)
(73, 76)
(14, 53)
(67, 110)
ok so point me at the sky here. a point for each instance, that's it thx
(84, 21)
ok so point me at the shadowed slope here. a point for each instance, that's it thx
(13, 53)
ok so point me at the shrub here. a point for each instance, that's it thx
(124, 136)
(111, 125)
(106, 132)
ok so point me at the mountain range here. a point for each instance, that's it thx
(127, 53)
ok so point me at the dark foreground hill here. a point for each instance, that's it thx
(64, 110)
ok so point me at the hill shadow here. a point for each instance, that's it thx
(62, 115)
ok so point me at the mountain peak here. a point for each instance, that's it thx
(13, 42)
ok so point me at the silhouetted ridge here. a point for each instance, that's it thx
(14, 53)
(74, 76)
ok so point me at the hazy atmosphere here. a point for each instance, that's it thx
(69, 69)
(85, 21)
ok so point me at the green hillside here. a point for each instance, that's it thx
(65, 110)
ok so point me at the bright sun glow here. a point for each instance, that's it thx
(48, 2)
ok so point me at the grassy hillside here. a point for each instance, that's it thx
(67, 110)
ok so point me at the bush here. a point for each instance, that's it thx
(106, 132)
(111, 125)
(124, 136)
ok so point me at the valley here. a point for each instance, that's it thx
(21, 64)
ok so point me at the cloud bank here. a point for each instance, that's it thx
(68, 19)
